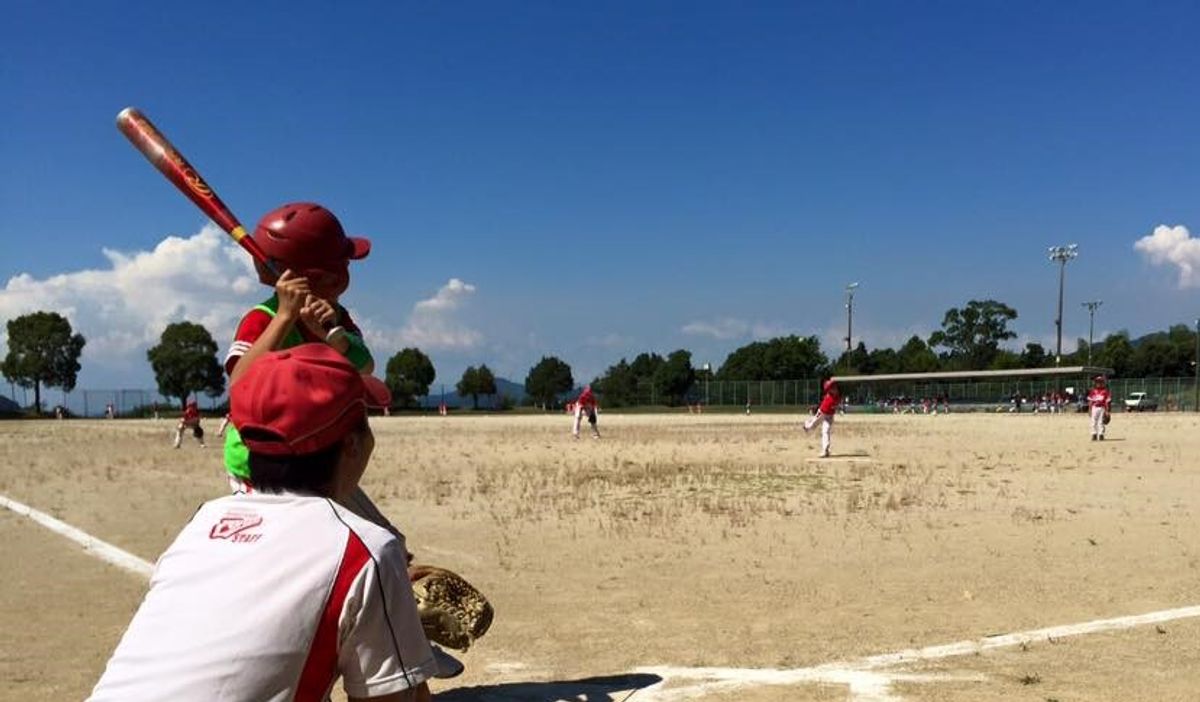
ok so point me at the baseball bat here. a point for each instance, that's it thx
(146, 138)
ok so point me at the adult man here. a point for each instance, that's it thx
(1100, 403)
(824, 415)
(274, 594)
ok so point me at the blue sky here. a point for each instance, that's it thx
(606, 178)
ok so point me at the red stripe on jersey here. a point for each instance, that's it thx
(320, 668)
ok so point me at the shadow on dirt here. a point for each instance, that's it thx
(608, 688)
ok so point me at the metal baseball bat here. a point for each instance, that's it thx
(159, 151)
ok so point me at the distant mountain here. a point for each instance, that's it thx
(504, 388)
(7, 406)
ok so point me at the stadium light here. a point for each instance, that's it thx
(1061, 255)
(1091, 306)
(850, 312)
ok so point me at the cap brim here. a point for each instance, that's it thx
(359, 247)
(448, 666)
(376, 392)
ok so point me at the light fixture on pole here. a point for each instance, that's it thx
(1091, 306)
(1060, 255)
(707, 374)
(850, 312)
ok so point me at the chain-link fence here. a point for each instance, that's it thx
(1171, 393)
(124, 403)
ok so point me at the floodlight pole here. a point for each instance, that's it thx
(1061, 254)
(850, 313)
(707, 374)
(1091, 306)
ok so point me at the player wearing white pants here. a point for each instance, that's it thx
(1100, 403)
(825, 415)
(585, 405)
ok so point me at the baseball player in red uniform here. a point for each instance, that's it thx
(585, 404)
(1100, 406)
(275, 594)
(824, 415)
(190, 420)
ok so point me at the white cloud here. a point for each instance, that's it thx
(727, 328)
(449, 297)
(1173, 246)
(122, 309)
(432, 325)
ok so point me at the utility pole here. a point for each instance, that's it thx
(1091, 306)
(1061, 255)
(850, 313)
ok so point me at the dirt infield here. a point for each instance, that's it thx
(684, 541)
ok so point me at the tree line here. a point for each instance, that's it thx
(44, 351)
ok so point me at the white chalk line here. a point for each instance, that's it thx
(100, 549)
(867, 678)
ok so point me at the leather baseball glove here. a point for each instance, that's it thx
(1107, 417)
(453, 612)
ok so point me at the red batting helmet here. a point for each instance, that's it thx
(1100, 379)
(830, 384)
(306, 238)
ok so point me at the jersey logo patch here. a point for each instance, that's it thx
(234, 526)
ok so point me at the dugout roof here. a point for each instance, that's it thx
(977, 375)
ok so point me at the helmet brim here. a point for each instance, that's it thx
(359, 247)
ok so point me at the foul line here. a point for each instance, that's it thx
(868, 678)
(91, 545)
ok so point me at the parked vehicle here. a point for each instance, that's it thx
(1140, 402)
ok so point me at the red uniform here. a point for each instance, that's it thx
(829, 403)
(1100, 403)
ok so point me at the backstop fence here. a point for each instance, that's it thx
(125, 403)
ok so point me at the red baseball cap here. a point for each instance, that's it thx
(301, 400)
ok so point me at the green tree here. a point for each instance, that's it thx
(547, 380)
(1116, 353)
(42, 350)
(485, 383)
(855, 362)
(675, 377)
(1034, 356)
(916, 357)
(409, 374)
(782, 358)
(972, 335)
(618, 385)
(185, 361)
(469, 385)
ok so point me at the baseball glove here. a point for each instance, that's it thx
(453, 613)
(1107, 418)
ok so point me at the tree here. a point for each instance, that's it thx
(855, 362)
(1116, 353)
(485, 383)
(547, 380)
(1034, 356)
(972, 335)
(782, 358)
(409, 374)
(675, 377)
(42, 350)
(618, 385)
(916, 357)
(468, 385)
(185, 361)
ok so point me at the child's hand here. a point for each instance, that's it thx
(317, 315)
(292, 291)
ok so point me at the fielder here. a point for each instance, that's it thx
(275, 594)
(824, 415)
(190, 420)
(1100, 403)
(585, 404)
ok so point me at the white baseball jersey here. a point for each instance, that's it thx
(272, 597)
